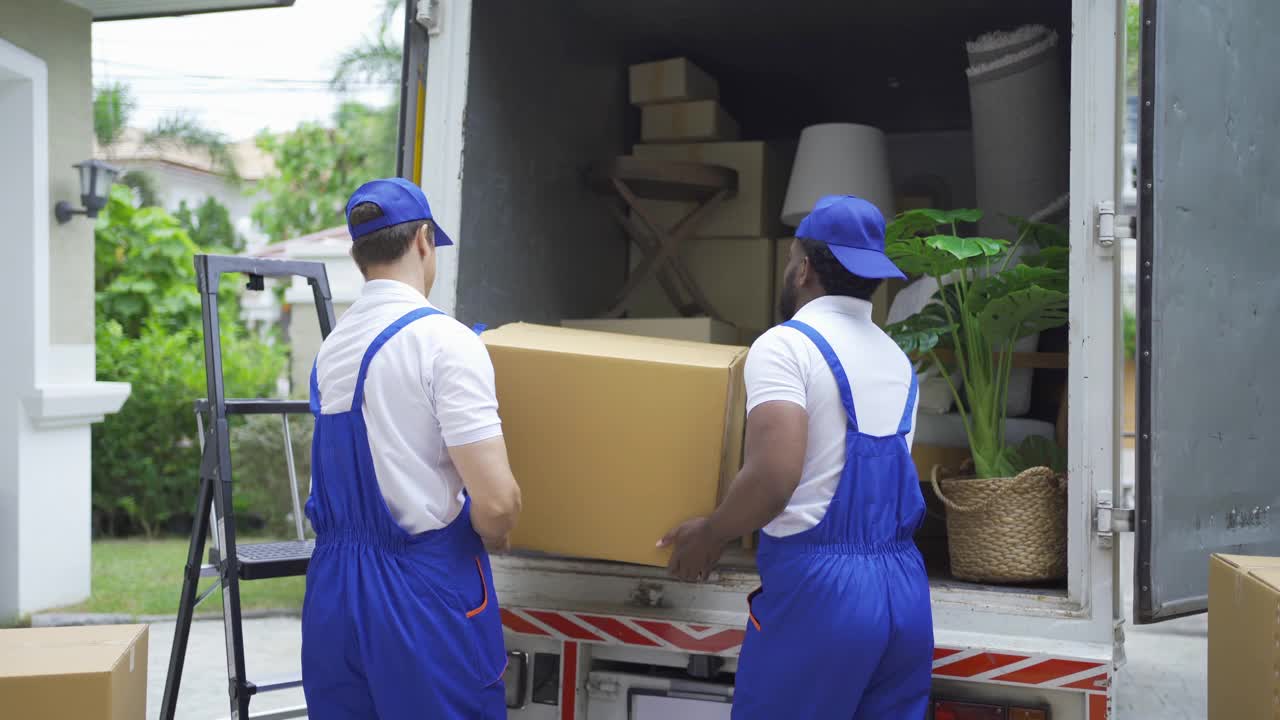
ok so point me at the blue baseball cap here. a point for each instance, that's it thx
(854, 230)
(400, 201)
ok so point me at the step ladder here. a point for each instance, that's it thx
(229, 562)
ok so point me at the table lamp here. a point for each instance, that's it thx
(839, 159)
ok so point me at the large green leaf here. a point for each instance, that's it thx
(1019, 277)
(948, 217)
(965, 248)
(923, 331)
(1023, 312)
(914, 256)
(1057, 258)
(1041, 235)
(909, 224)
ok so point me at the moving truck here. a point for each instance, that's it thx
(506, 103)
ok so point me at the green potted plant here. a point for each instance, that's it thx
(991, 293)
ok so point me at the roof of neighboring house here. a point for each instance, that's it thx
(134, 9)
(252, 164)
(330, 242)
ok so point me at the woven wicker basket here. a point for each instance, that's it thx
(1006, 530)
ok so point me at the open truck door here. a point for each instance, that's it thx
(1208, 296)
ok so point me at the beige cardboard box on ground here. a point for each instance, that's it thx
(1244, 637)
(94, 672)
(615, 439)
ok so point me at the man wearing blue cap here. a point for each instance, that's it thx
(410, 483)
(841, 627)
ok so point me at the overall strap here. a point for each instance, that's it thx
(904, 426)
(357, 399)
(842, 380)
(315, 389)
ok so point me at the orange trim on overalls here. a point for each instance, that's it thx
(484, 584)
(751, 612)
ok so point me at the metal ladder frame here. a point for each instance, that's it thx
(215, 491)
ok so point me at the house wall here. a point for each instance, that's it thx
(48, 393)
(176, 184)
(59, 33)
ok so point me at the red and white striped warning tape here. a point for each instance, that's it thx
(968, 664)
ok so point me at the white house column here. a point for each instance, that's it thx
(48, 395)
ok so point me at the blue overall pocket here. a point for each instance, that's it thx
(484, 622)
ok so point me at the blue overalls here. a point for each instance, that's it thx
(841, 626)
(394, 626)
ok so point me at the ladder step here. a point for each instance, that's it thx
(275, 684)
(262, 561)
(281, 714)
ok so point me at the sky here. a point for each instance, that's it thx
(239, 72)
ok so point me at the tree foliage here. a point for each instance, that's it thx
(317, 167)
(209, 226)
(148, 334)
(113, 106)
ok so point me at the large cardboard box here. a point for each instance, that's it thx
(668, 81)
(697, 121)
(736, 274)
(1244, 637)
(764, 169)
(615, 439)
(694, 329)
(96, 672)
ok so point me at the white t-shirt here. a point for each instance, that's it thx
(785, 365)
(429, 388)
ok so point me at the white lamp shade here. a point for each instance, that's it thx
(839, 159)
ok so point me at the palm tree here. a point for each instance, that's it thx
(377, 59)
(113, 108)
(113, 105)
(185, 131)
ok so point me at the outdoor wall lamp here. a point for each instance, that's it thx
(96, 178)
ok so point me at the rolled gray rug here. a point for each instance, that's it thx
(1021, 138)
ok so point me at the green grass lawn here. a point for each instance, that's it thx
(144, 577)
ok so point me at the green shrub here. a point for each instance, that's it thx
(146, 457)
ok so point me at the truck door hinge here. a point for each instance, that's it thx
(1109, 519)
(1106, 230)
(429, 16)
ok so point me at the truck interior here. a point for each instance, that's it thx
(548, 98)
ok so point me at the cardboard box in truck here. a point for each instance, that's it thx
(764, 168)
(95, 672)
(736, 275)
(668, 81)
(1244, 636)
(697, 121)
(615, 439)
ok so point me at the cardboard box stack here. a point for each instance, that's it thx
(697, 121)
(96, 672)
(736, 274)
(615, 439)
(731, 254)
(1244, 637)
